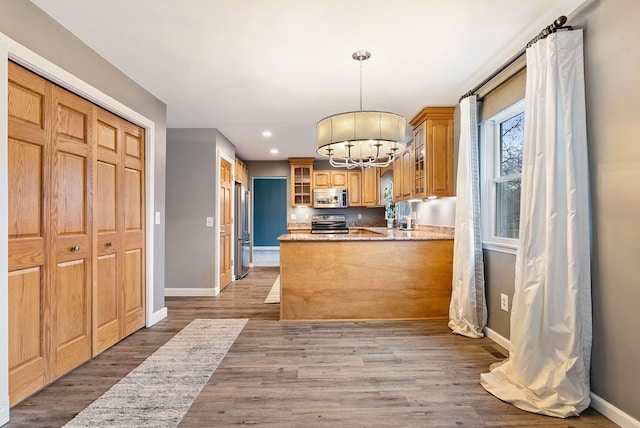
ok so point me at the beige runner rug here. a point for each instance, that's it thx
(274, 293)
(159, 392)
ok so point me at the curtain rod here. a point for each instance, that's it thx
(556, 25)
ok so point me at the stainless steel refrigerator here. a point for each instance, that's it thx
(243, 237)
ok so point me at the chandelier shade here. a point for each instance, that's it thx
(361, 138)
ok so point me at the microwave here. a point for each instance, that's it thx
(330, 198)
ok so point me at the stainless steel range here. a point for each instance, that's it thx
(329, 223)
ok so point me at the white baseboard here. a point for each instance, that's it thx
(603, 407)
(157, 316)
(612, 413)
(190, 292)
(499, 339)
(4, 410)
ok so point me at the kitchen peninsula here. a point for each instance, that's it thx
(366, 274)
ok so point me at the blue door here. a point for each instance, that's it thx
(269, 210)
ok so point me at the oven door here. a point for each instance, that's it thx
(329, 226)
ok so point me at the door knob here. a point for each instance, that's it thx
(75, 248)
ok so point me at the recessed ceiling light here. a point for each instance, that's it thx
(266, 133)
(274, 151)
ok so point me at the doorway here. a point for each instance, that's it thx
(269, 219)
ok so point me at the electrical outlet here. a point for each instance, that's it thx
(209, 222)
(293, 217)
(306, 216)
(359, 216)
(504, 302)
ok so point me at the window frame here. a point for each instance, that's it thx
(490, 176)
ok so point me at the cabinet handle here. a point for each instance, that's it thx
(108, 244)
(75, 248)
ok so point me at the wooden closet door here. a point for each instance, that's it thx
(134, 230)
(28, 215)
(226, 184)
(71, 222)
(108, 220)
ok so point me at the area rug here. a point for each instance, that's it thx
(159, 392)
(274, 294)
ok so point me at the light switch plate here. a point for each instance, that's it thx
(293, 217)
(157, 217)
(209, 221)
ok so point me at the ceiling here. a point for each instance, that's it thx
(246, 66)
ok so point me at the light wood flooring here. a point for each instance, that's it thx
(347, 374)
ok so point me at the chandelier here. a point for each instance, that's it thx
(364, 138)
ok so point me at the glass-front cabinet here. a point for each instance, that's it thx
(433, 153)
(301, 181)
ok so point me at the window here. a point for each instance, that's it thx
(501, 156)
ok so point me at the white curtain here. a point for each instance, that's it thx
(547, 371)
(468, 308)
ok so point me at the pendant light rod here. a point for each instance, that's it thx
(361, 56)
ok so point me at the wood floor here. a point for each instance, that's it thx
(352, 374)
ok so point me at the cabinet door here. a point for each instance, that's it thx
(371, 187)
(339, 179)
(440, 157)
(419, 174)
(321, 179)
(397, 179)
(355, 188)
(407, 172)
(301, 181)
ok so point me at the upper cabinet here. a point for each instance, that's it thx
(432, 153)
(301, 181)
(371, 187)
(329, 179)
(241, 173)
(354, 186)
(403, 175)
(351, 180)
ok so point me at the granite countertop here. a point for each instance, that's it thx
(299, 226)
(421, 233)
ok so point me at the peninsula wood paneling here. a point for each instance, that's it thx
(364, 283)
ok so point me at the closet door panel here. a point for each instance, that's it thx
(73, 316)
(108, 317)
(28, 215)
(134, 212)
(106, 312)
(27, 355)
(71, 181)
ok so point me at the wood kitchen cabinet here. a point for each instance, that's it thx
(351, 180)
(371, 187)
(403, 175)
(433, 152)
(330, 179)
(241, 173)
(354, 187)
(301, 181)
